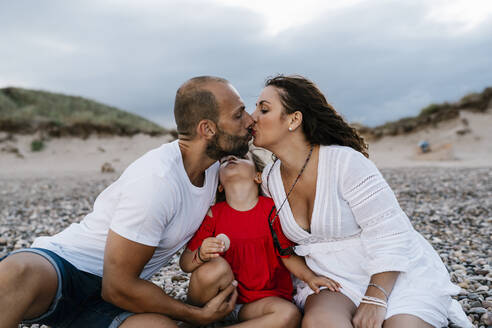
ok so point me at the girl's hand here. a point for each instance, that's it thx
(210, 248)
(369, 316)
(319, 281)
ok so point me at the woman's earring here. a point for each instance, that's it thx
(290, 128)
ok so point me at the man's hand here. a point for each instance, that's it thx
(369, 316)
(210, 248)
(319, 281)
(219, 306)
(122, 285)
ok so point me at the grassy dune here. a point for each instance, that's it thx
(430, 116)
(28, 111)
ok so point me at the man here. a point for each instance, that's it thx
(95, 273)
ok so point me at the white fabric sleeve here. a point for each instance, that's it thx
(264, 180)
(145, 206)
(387, 234)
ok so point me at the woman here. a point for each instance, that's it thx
(334, 203)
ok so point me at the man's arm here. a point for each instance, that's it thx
(122, 286)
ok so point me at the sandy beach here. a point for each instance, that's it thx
(462, 142)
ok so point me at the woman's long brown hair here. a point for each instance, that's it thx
(321, 123)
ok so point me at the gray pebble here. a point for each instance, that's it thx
(483, 288)
(487, 318)
(479, 310)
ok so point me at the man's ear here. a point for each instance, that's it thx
(206, 129)
(295, 120)
(258, 178)
(220, 188)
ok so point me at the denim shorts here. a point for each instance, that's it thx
(78, 301)
(233, 317)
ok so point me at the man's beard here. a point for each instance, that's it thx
(236, 145)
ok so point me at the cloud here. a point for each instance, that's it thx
(375, 61)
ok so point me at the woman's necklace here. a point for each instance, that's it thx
(293, 185)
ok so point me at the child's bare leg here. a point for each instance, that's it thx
(208, 279)
(269, 312)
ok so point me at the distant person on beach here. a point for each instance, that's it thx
(235, 239)
(424, 146)
(96, 273)
(345, 219)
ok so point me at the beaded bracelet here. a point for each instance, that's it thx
(198, 252)
(380, 288)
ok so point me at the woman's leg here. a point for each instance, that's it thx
(269, 312)
(405, 321)
(208, 280)
(328, 309)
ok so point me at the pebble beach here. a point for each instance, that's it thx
(450, 207)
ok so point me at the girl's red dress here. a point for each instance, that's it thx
(251, 255)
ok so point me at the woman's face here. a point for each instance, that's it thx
(271, 124)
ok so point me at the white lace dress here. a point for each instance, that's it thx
(358, 229)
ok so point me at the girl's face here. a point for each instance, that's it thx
(271, 124)
(233, 168)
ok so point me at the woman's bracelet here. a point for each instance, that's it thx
(199, 257)
(381, 289)
(374, 301)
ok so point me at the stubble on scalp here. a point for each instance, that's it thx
(195, 102)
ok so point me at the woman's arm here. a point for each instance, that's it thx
(386, 234)
(380, 286)
(383, 280)
(297, 266)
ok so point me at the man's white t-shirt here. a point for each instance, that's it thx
(152, 203)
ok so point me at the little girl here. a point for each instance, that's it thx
(264, 283)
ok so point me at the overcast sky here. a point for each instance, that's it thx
(374, 60)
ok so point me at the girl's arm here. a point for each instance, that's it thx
(189, 260)
(297, 266)
(210, 248)
(204, 242)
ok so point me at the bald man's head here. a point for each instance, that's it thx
(195, 101)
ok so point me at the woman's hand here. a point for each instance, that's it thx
(319, 281)
(210, 248)
(369, 316)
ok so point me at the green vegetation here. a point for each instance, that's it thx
(28, 111)
(37, 145)
(431, 115)
(429, 110)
